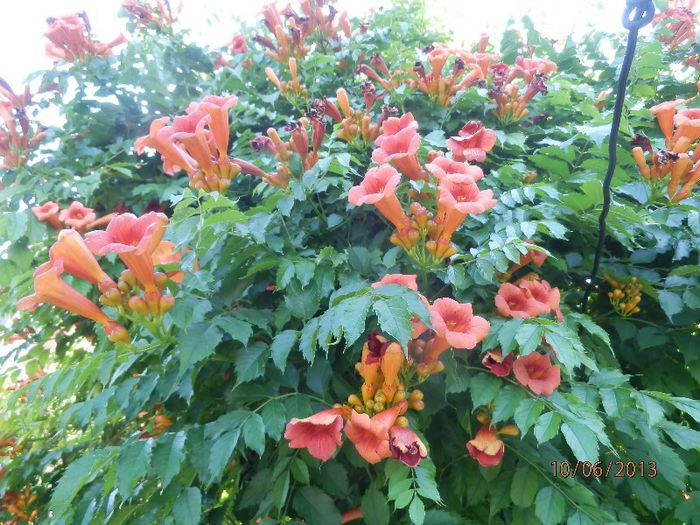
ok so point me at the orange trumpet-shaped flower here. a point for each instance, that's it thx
(369, 366)
(406, 446)
(665, 112)
(238, 44)
(77, 216)
(457, 200)
(687, 122)
(379, 189)
(537, 372)
(454, 171)
(133, 239)
(486, 448)
(371, 435)
(390, 365)
(472, 142)
(217, 108)
(78, 260)
(409, 281)
(398, 144)
(49, 288)
(319, 433)
(159, 138)
(48, 212)
(455, 326)
(513, 301)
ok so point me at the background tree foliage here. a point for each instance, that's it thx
(243, 358)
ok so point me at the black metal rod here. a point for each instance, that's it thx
(637, 14)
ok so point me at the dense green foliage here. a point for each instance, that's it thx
(241, 357)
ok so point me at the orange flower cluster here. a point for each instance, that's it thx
(681, 130)
(292, 90)
(374, 419)
(197, 142)
(17, 138)
(291, 36)
(528, 297)
(506, 89)
(77, 216)
(678, 20)
(135, 240)
(70, 40)
(426, 236)
(354, 123)
(160, 16)
(625, 296)
(467, 70)
(298, 143)
(18, 505)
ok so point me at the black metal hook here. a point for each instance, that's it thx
(638, 13)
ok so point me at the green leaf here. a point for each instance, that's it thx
(307, 341)
(689, 406)
(374, 507)
(547, 426)
(316, 507)
(281, 345)
(526, 414)
(394, 319)
(250, 362)
(188, 507)
(274, 416)
(254, 433)
(582, 441)
(524, 486)
(76, 476)
(529, 338)
(300, 471)
(416, 511)
(133, 464)
(550, 506)
(237, 329)
(685, 437)
(351, 314)
(507, 333)
(168, 455)
(197, 343)
(484, 388)
(507, 400)
(671, 303)
(653, 409)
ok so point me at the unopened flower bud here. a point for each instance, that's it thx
(160, 279)
(378, 407)
(402, 421)
(153, 301)
(166, 303)
(416, 395)
(128, 277)
(112, 297)
(509, 430)
(354, 400)
(417, 405)
(138, 305)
